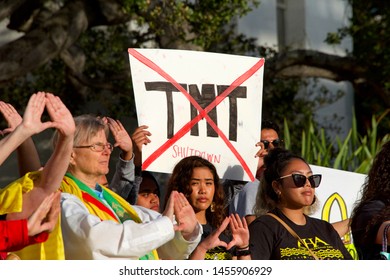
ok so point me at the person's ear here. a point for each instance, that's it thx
(72, 158)
(276, 187)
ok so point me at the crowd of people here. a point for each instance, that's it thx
(68, 210)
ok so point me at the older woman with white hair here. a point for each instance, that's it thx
(99, 224)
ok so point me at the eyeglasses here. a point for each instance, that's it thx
(275, 143)
(98, 147)
(300, 180)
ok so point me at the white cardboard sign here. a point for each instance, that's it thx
(337, 193)
(199, 103)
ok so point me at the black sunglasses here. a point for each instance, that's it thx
(275, 143)
(300, 180)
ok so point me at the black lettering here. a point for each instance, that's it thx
(238, 92)
(168, 88)
(204, 99)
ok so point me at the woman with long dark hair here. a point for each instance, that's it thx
(198, 180)
(371, 213)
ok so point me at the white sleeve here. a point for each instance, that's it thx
(87, 237)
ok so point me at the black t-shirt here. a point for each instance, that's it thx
(366, 246)
(217, 253)
(270, 240)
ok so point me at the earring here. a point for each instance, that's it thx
(279, 194)
(212, 207)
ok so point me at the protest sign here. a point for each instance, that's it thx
(337, 193)
(199, 103)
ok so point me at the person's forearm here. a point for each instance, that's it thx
(10, 142)
(57, 165)
(137, 157)
(49, 180)
(123, 180)
(28, 157)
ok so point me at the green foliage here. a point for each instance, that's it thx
(106, 77)
(368, 27)
(104, 80)
(203, 23)
(354, 153)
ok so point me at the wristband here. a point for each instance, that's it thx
(245, 251)
(240, 253)
(243, 248)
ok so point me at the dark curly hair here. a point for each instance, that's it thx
(267, 124)
(275, 162)
(376, 187)
(180, 181)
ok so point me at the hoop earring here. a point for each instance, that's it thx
(212, 207)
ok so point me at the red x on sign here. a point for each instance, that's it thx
(202, 113)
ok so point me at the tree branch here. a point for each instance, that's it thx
(309, 63)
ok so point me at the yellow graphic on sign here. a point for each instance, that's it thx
(326, 211)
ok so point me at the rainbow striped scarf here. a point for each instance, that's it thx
(119, 212)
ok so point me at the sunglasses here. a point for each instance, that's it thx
(275, 143)
(300, 180)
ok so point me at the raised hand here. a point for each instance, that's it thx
(185, 216)
(21, 134)
(169, 208)
(213, 240)
(60, 116)
(140, 137)
(46, 215)
(210, 242)
(28, 157)
(261, 153)
(11, 116)
(240, 232)
(122, 138)
(32, 123)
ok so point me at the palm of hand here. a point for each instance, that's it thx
(123, 140)
(186, 218)
(213, 241)
(10, 115)
(63, 121)
(239, 237)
